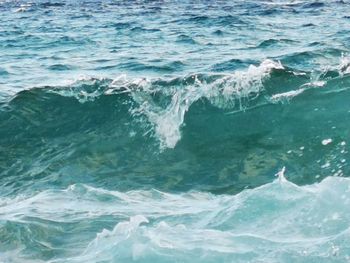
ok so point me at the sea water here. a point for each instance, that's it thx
(174, 131)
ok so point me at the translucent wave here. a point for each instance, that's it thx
(277, 222)
(163, 103)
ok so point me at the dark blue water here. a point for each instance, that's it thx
(152, 131)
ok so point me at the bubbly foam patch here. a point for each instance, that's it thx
(276, 222)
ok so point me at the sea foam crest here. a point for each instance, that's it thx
(174, 97)
(223, 92)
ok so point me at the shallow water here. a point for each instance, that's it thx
(152, 131)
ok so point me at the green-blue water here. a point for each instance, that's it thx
(152, 131)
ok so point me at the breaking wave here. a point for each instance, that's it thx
(161, 104)
(277, 222)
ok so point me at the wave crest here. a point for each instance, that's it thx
(223, 91)
(162, 104)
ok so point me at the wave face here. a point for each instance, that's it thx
(151, 131)
(220, 132)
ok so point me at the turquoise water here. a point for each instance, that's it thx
(174, 131)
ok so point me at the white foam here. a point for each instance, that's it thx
(286, 96)
(281, 176)
(326, 141)
(271, 221)
(222, 92)
(344, 67)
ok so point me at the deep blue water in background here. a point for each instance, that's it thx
(151, 131)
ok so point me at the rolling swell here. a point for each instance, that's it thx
(249, 114)
(163, 103)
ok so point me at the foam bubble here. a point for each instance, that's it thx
(326, 141)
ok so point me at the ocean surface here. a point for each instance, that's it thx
(174, 131)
